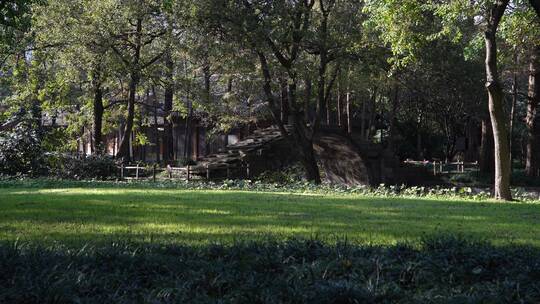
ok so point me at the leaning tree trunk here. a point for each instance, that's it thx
(499, 119)
(123, 150)
(532, 161)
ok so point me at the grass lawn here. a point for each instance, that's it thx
(73, 216)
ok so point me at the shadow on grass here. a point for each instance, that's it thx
(439, 270)
(173, 216)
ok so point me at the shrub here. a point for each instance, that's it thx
(292, 174)
(85, 167)
(21, 151)
(182, 162)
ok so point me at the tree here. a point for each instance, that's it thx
(72, 31)
(406, 40)
(532, 164)
(139, 25)
(276, 29)
(499, 117)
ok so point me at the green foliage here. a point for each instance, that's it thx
(475, 178)
(289, 182)
(186, 162)
(288, 176)
(86, 167)
(15, 21)
(442, 269)
(21, 150)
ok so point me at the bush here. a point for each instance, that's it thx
(183, 162)
(85, 167)
(441, 270)
(292, 174)
(519, 177)
(21, 151)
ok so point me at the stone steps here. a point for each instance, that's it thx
(233, 158)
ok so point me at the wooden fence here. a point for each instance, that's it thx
(137, 172)
(439, 167)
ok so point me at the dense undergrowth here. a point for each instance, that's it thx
(474, 178)
(440, 270)
(382, 190)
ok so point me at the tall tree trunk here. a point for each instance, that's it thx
(97, 125)
(363, 119)
(392, 119)
(321, 89)
(302, 135)
(339, 102)
(167, 140)
(364, 123)
(187, 132)
(323, 64)
(471, 154)
(532, 160)
(307, 153)
(372, 115)
(328, 112)
(207, 79)
(513, 107)
(125, 145)
(124, 148)
(284, 101)
(348, 112)
(307, 97)
(499, 119)
(486, 160)
(419, 149)
(307, 100)
(157, 149)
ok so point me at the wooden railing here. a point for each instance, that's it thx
(439, 166)
(137, 172)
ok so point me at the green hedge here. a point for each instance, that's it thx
(441, 270)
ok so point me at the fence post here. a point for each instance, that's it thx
(435, 168)
(247, 170)
(188, 172)
(137, 172)
(207, 172)
(122, 171)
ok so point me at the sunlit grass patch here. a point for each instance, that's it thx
(100, 215)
